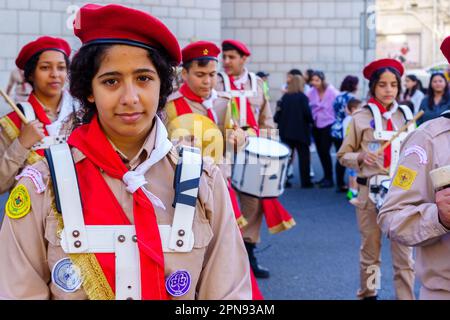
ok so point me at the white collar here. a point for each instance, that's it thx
(388, 114)
(208, 103)
(239, 82)
(136, 179)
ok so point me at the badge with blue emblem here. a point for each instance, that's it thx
(372, 124)
(178, 283)
(66, 276)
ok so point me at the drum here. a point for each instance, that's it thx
(260, 169)
(378, 188)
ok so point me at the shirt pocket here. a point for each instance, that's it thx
(51, 228)
(203, 233)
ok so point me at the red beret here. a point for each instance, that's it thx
(238, 45)
(40, 45)
(445, 48)
(200, 50)
(382, 63)
(117, 24)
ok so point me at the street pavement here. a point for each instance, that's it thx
(318, 258)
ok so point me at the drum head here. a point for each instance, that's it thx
(267, 148)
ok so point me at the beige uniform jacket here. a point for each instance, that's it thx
(360, 138)
(218, 263)
(260, 105)
(13, 156)
(410, 215)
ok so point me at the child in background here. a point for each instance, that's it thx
(352, 105)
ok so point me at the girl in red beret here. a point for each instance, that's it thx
(371, 126)
(123, 214)
(44, 62)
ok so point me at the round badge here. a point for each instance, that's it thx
(66, 276)
(19, 203)
(178, 283)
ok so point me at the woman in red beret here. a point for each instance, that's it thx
(370, 128)
(45, 62)
(123, 214)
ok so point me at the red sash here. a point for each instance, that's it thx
(181, 105)
(100, 207)
(390, 127)
(40, 115)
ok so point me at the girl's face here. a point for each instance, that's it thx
(50, 74)
(126, 92)
(409, 83)
(386, 89)
(316, 82)
(438, 84)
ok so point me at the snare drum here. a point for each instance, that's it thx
(260, 169)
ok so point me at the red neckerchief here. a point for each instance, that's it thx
(100, 207)
(251, 121)
(183, 107)
(390, 127)
(40, 115)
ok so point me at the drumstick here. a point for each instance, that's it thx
(402, 129)
(13, 106)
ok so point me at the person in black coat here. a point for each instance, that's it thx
(294, 120)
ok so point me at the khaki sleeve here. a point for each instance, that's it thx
(24, 272)
(349, 151)
(226, 272)
(12, 160)
(409, 214)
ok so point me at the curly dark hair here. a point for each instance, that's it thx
(85, 65)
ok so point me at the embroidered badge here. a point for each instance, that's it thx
(205, 52)
(35, 176)
(66, 276)
(419, 151)
(178, 283)
(19, 203)
(404, 178)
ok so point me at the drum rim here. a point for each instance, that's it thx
(268, 156)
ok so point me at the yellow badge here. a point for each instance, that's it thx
(205, 52)
(19, 203)
(404, 178)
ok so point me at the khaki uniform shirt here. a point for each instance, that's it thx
(360, 138)
(410, 215)
(218, 263)
(13, 155)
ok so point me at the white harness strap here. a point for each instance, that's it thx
(384, 135)
(243, 95)
(28, 111)
(76, 237)
(68, 197)
(187, 179)
(46, 142)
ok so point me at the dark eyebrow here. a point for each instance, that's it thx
(116, 73)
